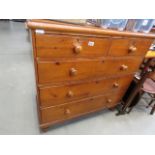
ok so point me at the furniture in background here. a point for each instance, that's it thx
(134, 25)
(82, 69)
(142, 83)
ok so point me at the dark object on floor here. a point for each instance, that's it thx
(136, 98)
(143, 84)
(19, 20)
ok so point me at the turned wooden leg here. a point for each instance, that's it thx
(112, 108)
(153, 109)
(45, 129)
(149, 103)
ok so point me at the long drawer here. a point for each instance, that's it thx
(80, 69)
(58, 94)
(63, 46)
(74, 109)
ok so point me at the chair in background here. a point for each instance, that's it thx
(143, 83)
(149, 88)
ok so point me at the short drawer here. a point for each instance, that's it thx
(59, 113)
(61, 46)
(84, 69)
(55, 95)
(128, 47)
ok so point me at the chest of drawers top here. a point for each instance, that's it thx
(60, 40)
(63, 28)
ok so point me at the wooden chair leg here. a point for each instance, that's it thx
(130, 109)
(141, 92)
(149, 103)
(153, 109)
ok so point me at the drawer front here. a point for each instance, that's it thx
(55, 95)
(82, 69)
(74, 109)
(60, 46)
(127, 47)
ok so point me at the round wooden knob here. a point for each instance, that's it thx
(109, 100)
(115, 85)
(73, 72)
(67, 111)
(132, 49)
(70, 94)
(124, 67)
(77, 49)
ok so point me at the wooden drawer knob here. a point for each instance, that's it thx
(73, 72)
(124, 67)
(70, 94)
(109, 100)
(115, 85)
(77, 49)
(132, 49)
(67, 111)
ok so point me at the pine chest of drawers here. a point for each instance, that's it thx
(82, 69)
